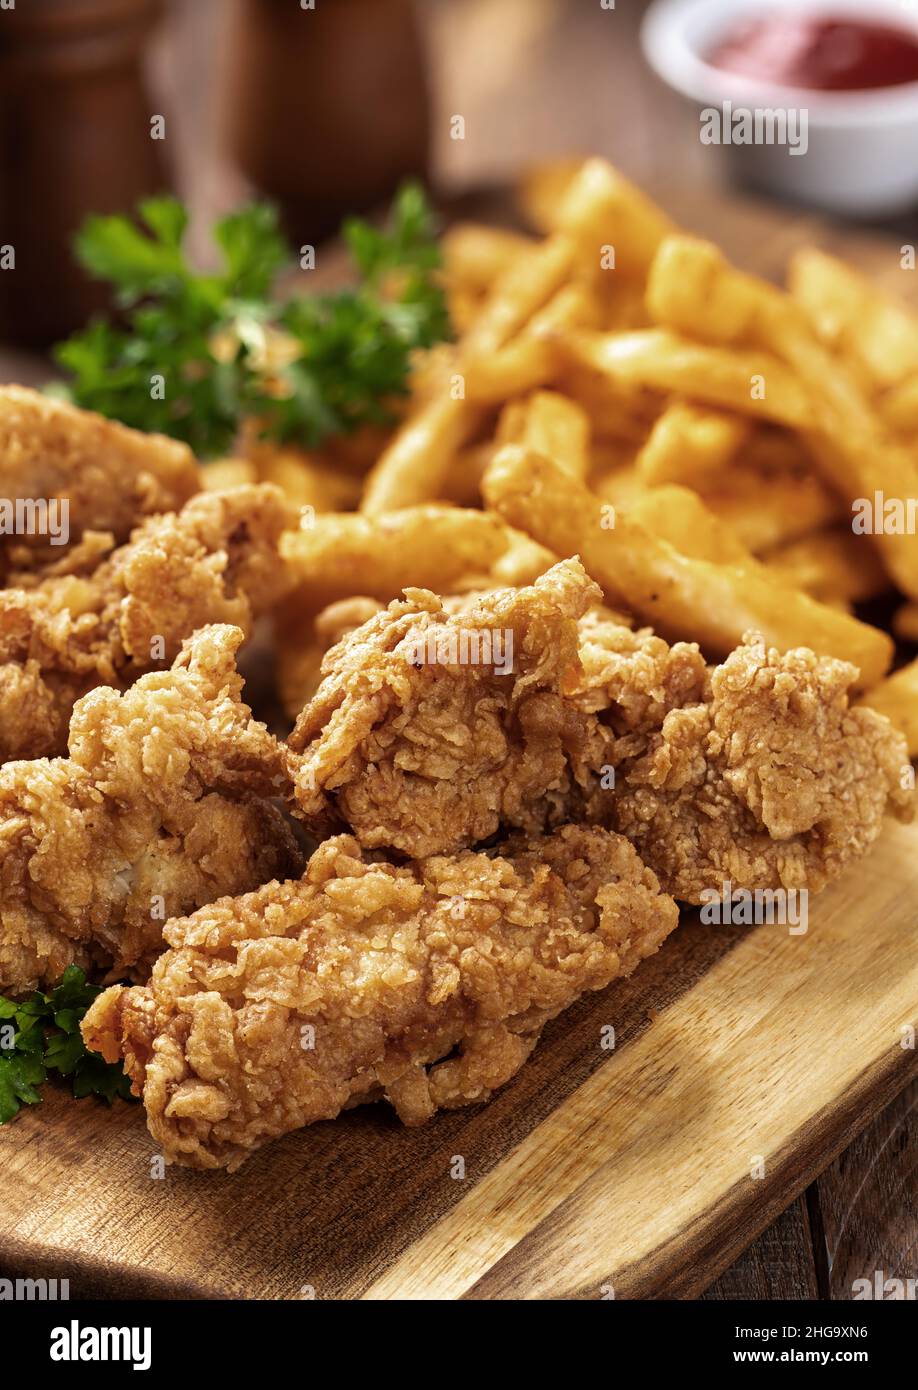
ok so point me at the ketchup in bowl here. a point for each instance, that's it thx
(819, 54)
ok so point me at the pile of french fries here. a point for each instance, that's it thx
(619, 391)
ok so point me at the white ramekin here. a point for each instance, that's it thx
(862, 155)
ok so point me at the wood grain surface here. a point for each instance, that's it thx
(745, 1059)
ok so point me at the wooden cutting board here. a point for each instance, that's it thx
(738, 1051)
(745, 1060)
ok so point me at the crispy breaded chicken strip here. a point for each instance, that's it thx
(215, 561)
(161, 806)
(343, 558)
(111, 475)
(426, 984)
(431, 730)
(758, 774)
(688, 747)
(299, 660)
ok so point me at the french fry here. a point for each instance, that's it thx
(681, 597)
(428, 546)
(691, 285)
(414, 465)
(692, 289)
(679, 516)
(306, 480)
(832, 565)
(522, 290)
(897, 698)
(829, 293)
(690, 444)
(531, 359)
(228, 472)
(603, 210)
(540, 193)
(474, 255)
(511, 423)
(850, 315)
(559, 428)
(753, 383)
(905, 622)
(769, 509)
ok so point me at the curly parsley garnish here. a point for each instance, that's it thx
(200, 354)
(42, 1035)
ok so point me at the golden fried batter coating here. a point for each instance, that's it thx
(161, 806)
(423, 738)
(760, 775)
(633, 679)
(112, 476)
(215, 561)
(757, 772)
(426, 984)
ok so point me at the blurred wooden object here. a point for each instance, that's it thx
(327, 107)
(76, 140)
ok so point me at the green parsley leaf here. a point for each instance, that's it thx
(42, 1035)
(19, 1075)
(194, 356)
(95, 1077)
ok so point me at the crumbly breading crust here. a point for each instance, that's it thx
(216, 561)
(426, 984)
(757, 772)
(162, 805)
(425, 755)
(111, 476)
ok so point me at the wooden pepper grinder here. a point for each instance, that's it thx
(77, 139)
(327, 105)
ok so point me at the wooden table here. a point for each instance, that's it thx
(537, 78)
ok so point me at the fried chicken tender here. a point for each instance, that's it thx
(426, 985)
(112, 476)
(216, 561)
(431, 730)
(162, 806)
(758, 774)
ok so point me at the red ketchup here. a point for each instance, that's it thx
(819, 54)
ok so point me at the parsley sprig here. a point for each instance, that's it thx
(198, 355)
(41, 1036)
